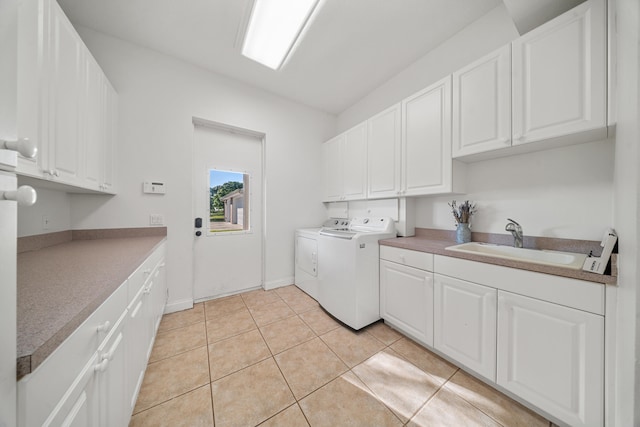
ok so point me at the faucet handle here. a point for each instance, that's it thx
(510, 220)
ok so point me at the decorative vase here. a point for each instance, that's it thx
(463, 233)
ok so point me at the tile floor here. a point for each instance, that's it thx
(275, 358)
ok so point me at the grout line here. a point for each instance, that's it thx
(206, 338)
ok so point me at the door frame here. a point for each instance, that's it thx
(260, 136)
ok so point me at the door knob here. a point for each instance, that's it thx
(25, 195)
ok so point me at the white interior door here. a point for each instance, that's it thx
(228, 253)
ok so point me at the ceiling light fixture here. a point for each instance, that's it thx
(273, 29)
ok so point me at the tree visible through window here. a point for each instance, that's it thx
(228, 201)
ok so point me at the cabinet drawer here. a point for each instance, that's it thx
(40, 391)
(144, 272)
(416, 259)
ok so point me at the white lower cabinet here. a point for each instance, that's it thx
(465, 323)
(93, 377)
(406, 300)
(79, 407)
(553, 357)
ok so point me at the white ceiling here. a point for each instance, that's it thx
(351, 47)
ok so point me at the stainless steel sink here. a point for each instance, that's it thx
(555, 258)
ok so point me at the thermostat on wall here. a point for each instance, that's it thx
(153, 187)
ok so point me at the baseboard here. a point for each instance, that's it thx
(174, 306)
(272, 284)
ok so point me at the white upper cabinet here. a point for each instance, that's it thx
(332, 169)
(65, 102)
(427, 167)
(482, 104)
(384, 153)
(355, 163)
(94, 113)
(111, 138)
(344, 165)
(559, 76)
(66, 98)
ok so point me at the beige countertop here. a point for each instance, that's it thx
(436, 244)
(59, 286)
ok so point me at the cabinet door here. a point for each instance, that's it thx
(465, 323)
(66, 98)
(111, 132)
(79, 406)
(384, 153)
(406, 300)
(354, 163)
(136, 348)
(32, 96)
(426, 140)
(482, 104)
(112, 377)
(93, 124)
(332, 169)
(559, 75)
(553, 357)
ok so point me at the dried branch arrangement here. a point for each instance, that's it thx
(463, 212)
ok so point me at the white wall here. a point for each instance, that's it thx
(158, 96)
(55, 205)
(493, 30)
(565, 192)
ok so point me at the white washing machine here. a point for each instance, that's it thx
(306, 255)
(349, 278)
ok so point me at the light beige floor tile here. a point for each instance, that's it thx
(172, 377)
(290, 417)
(447, 409)
(235, 353)
(286, 333)
(177, 341)
(229, 325)
(300, 303)
(260, 297)
(346, 401)
(223, 306)
(493, 403)
(424, 359)
(352, 347)
(250, 396)
(384, 333)
(319, 321)
(192, 409)
(309, 366)
(268, 313)
(400, 385)
(182, 318)
(289, 291)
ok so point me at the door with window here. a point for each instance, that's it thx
(228, 211)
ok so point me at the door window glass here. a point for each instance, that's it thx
(228, 201)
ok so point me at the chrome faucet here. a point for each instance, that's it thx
(516, 231)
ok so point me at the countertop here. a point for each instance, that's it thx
(435, 243)
(59, 286)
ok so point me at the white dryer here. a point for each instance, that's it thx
(348, 283)
(306, 255)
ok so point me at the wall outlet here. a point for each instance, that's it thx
(46, 222)
(156, 219)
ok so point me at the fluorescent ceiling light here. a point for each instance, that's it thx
(273, 28)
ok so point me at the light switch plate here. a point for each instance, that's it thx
(156, 219)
